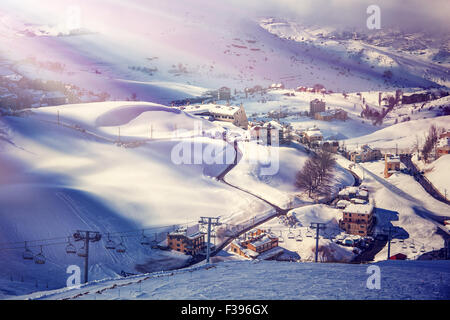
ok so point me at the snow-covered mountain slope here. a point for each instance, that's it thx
(167, 51)
(361, 54)
(438, 173)
(278, 188)
(59, 178)
(268, 280)
(401, 135)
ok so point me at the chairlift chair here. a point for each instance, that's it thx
(39, 258)
(309, 233)
(280, 240)
(155, 242)
(144, 240)
(290, 234)
(121, 248)
(110, 244)
(27, 254)
(70, 248)
(82, 252)
(422, 249)
(299, 238)
(404, 246)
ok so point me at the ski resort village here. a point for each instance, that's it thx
(203, 154)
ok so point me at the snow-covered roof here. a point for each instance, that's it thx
(342, 203)
(359, 208)
(265, 239)
(274, 125)
(212, 108)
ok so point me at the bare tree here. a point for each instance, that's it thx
(317, 173)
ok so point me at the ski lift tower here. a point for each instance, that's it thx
(210, 222)
(87, 236)
(317, 226)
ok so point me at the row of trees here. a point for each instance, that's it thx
(317, 173)
(430, 141)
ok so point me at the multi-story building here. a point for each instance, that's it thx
(182, 241)
(256, 242)
(358, 219)
(233, 114)
(315, 106)
(391, 164)
(363, 154)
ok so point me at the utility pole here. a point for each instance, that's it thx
(210, 221)
(389, 231)
(87, 236)
(317, 226)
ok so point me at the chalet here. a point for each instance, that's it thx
(443, 145)
(352, 192)
(391, 165)
(257, 243)
(233, 114)
(316, 106)
(190, 244)
(330, 146)
(276, 86)
(416, 98)
(329, 115)
(313, 136)
(364, 153)
(358, 219)
(398, 256)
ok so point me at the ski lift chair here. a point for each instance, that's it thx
(144, 240)
(299, 238)
(39, 258)
(121, 248)
(27, 254)
(110, 244)
(291, 235)
(422, 249)
(70, 248)
(309, 233)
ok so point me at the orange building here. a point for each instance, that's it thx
(181, 241)
(391, 164)
(357, 219)
(257, 242)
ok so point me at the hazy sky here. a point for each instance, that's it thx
(406, 14)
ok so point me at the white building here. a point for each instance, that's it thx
(233, 114)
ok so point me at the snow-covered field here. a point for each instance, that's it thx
(274, 280)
